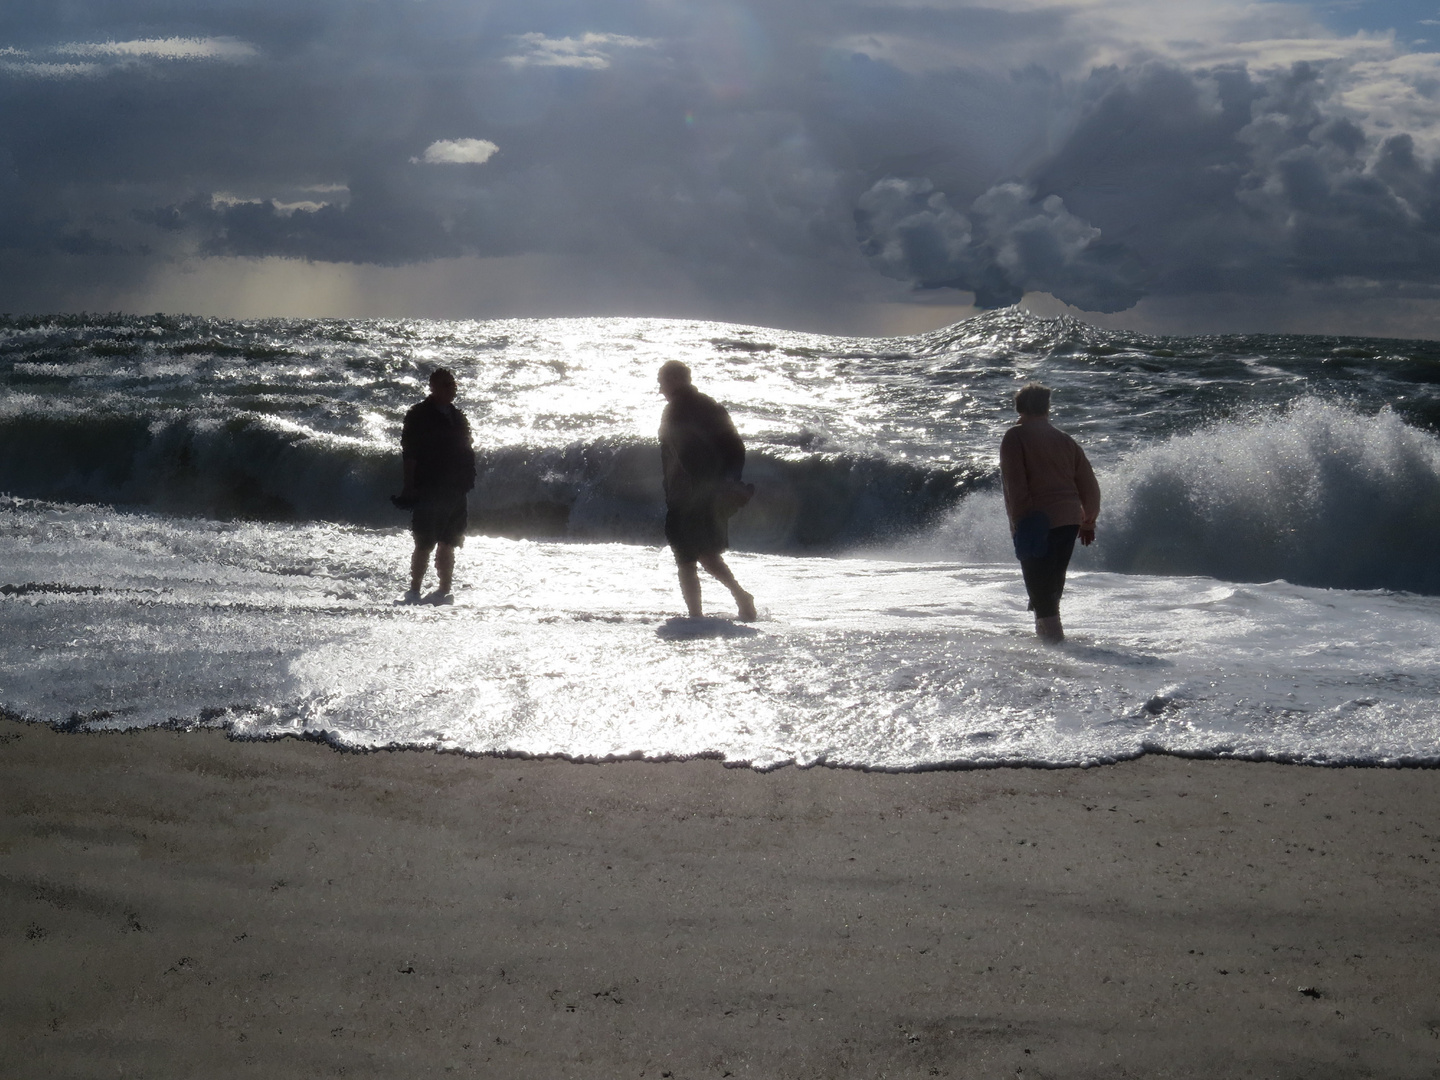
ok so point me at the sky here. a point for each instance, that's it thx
(844, 166)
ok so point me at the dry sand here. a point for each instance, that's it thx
(181, 905)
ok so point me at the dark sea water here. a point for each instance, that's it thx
(196, 528)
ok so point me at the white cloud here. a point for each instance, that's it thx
(586, 51)
(227, 199)
(457, 152)
(1396, 94)
(1072, 38)
(176, 48)
(38, 70)
(102, 56)
(1275, 53)
(304, 206)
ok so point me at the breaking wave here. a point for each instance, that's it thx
(1319, 495)
(263, 468)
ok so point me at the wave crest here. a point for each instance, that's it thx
(1320, 495)
(265, 468)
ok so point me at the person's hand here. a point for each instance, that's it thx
(1087, 537)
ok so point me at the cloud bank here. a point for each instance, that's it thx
(791, 163)
(102, 57)
(590, 50)
(1008, 244)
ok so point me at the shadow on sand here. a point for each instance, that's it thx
(682, 628)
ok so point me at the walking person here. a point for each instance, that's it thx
(439, 461)
(702, 457)
(1051, 498)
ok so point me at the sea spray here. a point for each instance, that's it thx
(1317, 495)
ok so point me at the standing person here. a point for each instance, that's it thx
(439, 469)
(702, 457)
(1051, 497)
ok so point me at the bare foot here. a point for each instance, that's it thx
(746, 603)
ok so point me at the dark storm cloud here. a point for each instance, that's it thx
(1008, 244)
(1177, 182)
(1230, 181)
(791, 154)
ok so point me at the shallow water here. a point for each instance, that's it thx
(576, 650)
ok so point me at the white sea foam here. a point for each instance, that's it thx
(575, 650)
(1316, 494)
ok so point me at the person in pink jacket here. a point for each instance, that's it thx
(1051, 498)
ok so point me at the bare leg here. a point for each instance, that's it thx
(690, 586)
(445, 566)
(419, 562)
(721, 573)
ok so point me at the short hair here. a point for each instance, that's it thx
(1032, 399)
(442, 375)
(675, 371)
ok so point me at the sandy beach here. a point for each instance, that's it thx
(180, 904)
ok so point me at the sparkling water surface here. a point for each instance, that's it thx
(571, 649)
(197, 532)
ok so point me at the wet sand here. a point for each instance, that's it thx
(178, 904)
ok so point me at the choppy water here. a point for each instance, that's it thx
(197, 531)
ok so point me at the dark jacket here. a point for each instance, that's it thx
(699, 447)
(436, 437)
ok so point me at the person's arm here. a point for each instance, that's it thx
(730, 446)
(469, 452)
(408, 437)
(1013, 481)
(1089, 489)
(672, 469)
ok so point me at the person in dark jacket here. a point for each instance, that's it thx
(439, 469)
(702, 458)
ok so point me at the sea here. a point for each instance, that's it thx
(195, 531)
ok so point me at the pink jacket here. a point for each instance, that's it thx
(1042, 468)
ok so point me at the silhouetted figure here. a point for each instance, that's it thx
(1051, 497)
(439, 469)
(702, 457)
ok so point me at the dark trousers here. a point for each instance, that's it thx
(1045, 576)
